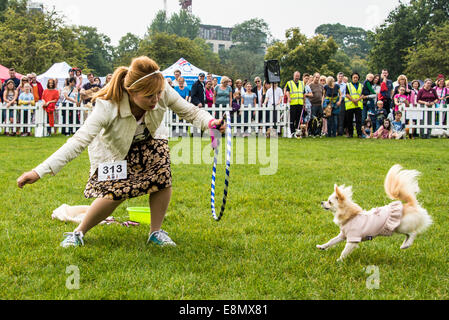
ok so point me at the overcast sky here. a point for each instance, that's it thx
(116, 18)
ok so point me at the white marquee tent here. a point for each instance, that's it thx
(59, 71)
(188, 71)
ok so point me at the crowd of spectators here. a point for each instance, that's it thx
(27, 91)
(320, 106)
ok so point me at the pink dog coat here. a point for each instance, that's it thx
(377, 222)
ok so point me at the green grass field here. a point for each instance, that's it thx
(263, 249)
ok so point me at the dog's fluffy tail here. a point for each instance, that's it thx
(403, 185)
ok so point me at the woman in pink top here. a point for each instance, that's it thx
(442, 94)
(210, 92)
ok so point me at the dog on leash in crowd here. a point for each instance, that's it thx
(302, 132)
(405, 216)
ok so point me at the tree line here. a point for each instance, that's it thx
(412, 40)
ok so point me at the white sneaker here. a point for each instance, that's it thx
(161, 238)
(73, 239)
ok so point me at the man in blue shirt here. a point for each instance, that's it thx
(182, 89)
(341, 117)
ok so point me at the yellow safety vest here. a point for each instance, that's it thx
(355, 94)
(296, 93)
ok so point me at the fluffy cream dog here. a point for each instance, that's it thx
(302, 132)
(405, 216)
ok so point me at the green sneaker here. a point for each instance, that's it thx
(73, 239)
(161, 238)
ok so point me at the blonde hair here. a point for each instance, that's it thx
(330, 80)
(402, 77)
(124, 78)
(224, 79)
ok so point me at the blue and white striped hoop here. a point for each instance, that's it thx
(228, 168)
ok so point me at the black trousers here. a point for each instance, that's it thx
(349, 117)
(295, 117)
(341, 119)
(316, 120)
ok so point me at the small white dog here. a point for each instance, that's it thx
(357, 225)
(440, 133)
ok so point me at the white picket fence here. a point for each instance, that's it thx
(247, 121)
(68, 119)
(427, 118)
(20, 119)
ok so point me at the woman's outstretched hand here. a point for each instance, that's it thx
(220, 125)
(27, 178)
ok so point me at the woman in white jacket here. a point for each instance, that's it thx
(126, 129)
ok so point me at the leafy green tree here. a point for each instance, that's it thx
(166, 49)
(407, 26)
(316, 54)
(159, 23)
(241, 64)
(3, 5)
(183, 24)
(252, 35)
(353, 41)
(100, 49)
(32, 42)
(431, 57)
(126, 50)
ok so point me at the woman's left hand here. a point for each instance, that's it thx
(220, 125)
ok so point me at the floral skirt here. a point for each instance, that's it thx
(148, 172)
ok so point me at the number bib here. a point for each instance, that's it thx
(113, 171)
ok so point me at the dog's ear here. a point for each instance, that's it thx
(340, 196)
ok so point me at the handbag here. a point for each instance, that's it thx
(328, 110)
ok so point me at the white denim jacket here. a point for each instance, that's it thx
(109, 133)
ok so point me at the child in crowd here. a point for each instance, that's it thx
(385, 131)
(401, 101)
(413, 116)
(367, 128)
(398, 127)
(381, 115)
(79, 79)
(10, 99)
(236, 105)
(26, 98)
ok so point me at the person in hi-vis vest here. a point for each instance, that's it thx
(354, 105)
(295, 92)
